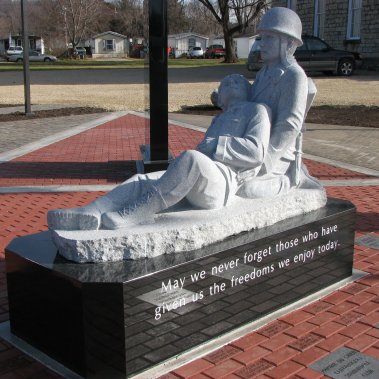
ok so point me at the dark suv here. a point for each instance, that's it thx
(314, 55)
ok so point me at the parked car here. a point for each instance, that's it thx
(314, 55)
(34, 56)
(12, 51)
(80, 52)
(215, 51)
(195, 52)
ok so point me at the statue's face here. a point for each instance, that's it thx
(232, 89)
(270, 47)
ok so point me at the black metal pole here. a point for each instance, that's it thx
(158, 80)
(25, 37)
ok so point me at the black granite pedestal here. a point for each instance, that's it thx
(158, 88)
(113, 320)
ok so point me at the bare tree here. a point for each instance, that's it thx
(10, 17)
(234, 16)
(128, 17)
(78, 17)
(176, 16)
(45, 21)
(40, 15)
(200, 19)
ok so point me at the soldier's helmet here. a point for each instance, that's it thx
(284, 21)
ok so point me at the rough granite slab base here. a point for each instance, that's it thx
(182, 229)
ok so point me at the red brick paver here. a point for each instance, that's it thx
(105, 154)
(251, 355)
(327, 172)
(190, 369)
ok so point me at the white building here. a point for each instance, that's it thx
(180, 43)
(242, 44)
(109, 45)
(35, 43)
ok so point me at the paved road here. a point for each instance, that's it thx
(123, 76)
(137, 75)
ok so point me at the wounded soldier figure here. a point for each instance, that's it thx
(232, 151)
(251, 149)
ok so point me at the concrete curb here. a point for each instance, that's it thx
(348, 166)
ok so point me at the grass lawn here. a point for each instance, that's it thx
(89, 64)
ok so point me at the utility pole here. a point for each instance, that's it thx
(25, 36)
(65, 26)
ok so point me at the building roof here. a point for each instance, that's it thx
(238, 35)
(186, 35)
(110, 32)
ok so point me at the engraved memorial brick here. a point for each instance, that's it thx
(306, 342)
(346, 363)
(254, 369)
(222, 354)
(274, 329)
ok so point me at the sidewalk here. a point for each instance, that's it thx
(88, 161)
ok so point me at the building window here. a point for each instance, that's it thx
(354, 19)
(191, 42)
(109, 44)
(291, 4)
(318, 28)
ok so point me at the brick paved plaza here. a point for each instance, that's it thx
(285, 348)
